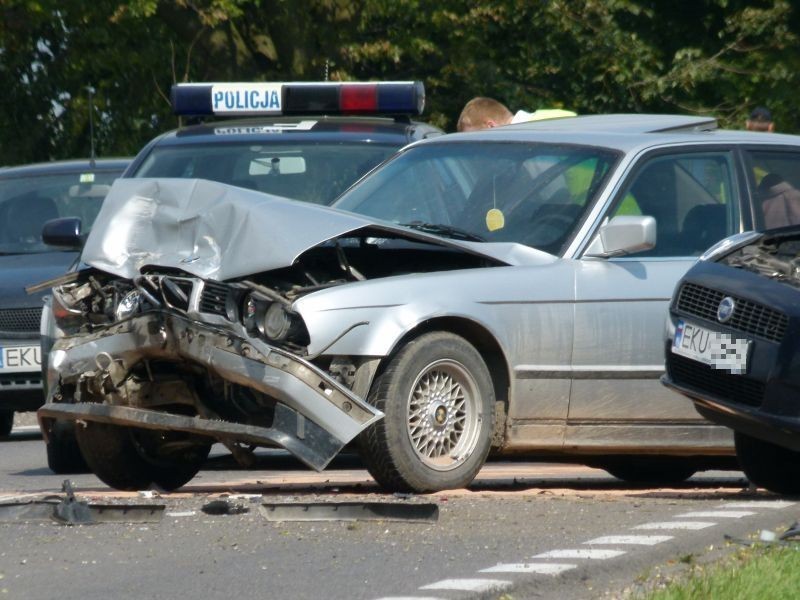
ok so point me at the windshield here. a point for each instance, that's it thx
(533, 194)
(29, 201)
(312, 172)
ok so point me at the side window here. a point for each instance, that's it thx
(776, 178)
(692, 198)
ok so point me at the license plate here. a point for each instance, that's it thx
(719, 350)
(20, 359)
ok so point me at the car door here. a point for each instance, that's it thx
(621, 303)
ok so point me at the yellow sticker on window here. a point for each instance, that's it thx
(87, 178)
(495, 219)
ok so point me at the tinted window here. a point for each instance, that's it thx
(533, 194)
(310, 172)
(27, 202)
(692, 198)
(776, 176)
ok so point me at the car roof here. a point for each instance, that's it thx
(623, 132)
(394, 131)
(65, 166)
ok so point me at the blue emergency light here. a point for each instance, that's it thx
(299, 98)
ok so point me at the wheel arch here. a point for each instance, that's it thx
(477, 335)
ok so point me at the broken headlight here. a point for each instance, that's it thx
(273, 321)
(129, 305)
(276, 324)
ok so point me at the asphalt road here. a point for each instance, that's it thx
(527, 530)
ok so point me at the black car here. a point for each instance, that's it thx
(304, 141)
(734, 349)
(30, 196)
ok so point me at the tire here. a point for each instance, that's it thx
(131, 459)
(6, 422)
(652, 470)
(438, 400)
(63, 454)
(767, 465)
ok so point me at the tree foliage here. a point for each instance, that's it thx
(718, 57)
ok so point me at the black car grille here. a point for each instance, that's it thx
(177, 291)
(704, 378)
(213, 299)
(20, 320)
(748, 317)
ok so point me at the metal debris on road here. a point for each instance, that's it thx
(351, 511)
(68, 510)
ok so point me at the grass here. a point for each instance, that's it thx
(768, 572)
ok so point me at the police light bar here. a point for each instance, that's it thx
(299, 98)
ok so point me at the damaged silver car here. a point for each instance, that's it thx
(505, 290)
(209, 312)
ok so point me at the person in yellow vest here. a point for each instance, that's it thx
(484, 113)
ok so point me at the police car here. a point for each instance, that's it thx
(305, 141)
(30, 195)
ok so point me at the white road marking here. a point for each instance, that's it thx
(639, 540)
(540, 568)
(715, 514)
(593, 553)
(469, 585)
(677, 525)
(181, 513)
(759, 504)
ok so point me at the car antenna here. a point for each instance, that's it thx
(90, 89)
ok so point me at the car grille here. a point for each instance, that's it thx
(177, 291)
(20, 320)
(704, 378)
(749, 317)
(213, 298)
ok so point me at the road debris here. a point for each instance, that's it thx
(224, 506)
(351, 511)
(68, 510)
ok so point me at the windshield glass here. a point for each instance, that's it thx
(28, 202)
(533, 194)
(312, 172)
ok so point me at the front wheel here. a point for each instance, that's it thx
(127, 458)
(770, 466)
(438, 400)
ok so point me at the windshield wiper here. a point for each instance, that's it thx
(444, 230)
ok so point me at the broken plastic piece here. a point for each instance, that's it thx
(351, 511)
(71, 511)
(224, 507)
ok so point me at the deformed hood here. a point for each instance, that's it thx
(217, 231)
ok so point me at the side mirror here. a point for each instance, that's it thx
(64, 232)
(624, 235)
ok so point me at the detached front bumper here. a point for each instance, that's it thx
(314, 418)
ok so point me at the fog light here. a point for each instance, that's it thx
(277, 323)
(129, 305)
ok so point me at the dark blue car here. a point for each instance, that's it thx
(30, 196)
(734, 349)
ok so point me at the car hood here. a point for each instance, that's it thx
(217, 231)
(21, 270)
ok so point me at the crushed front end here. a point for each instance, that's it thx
(194, 361)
